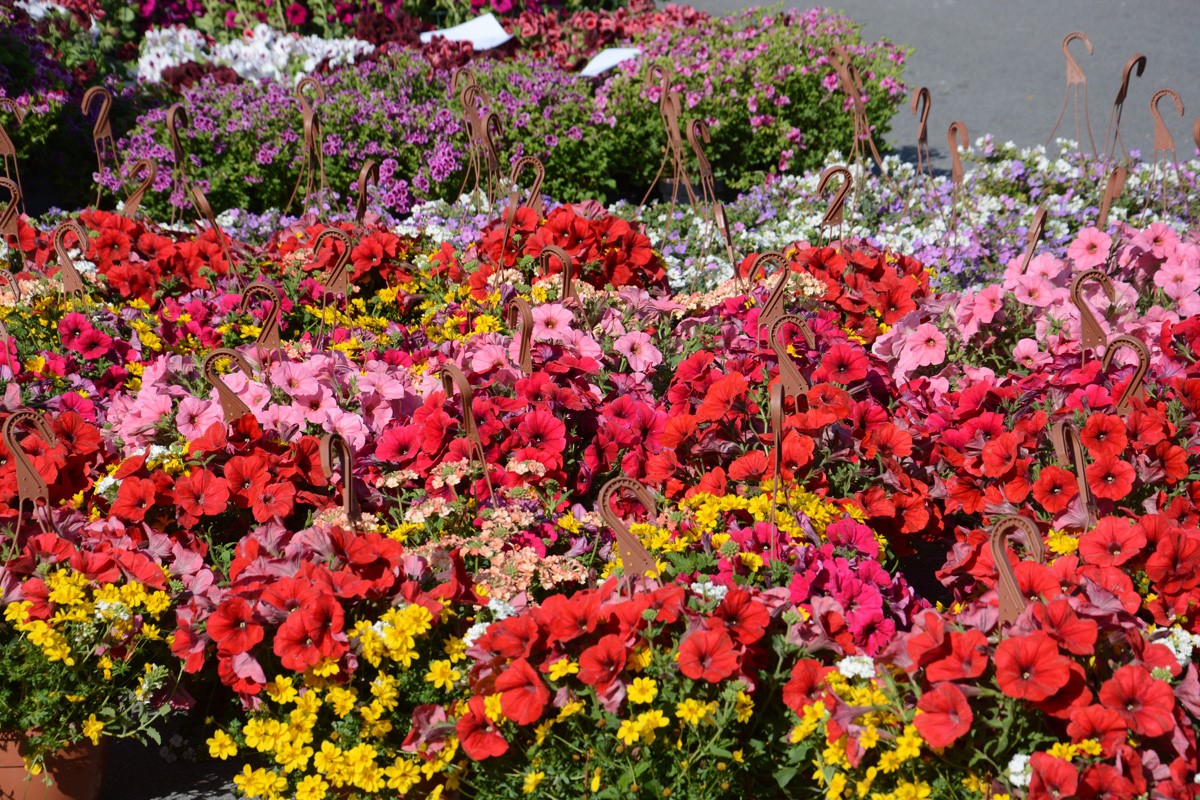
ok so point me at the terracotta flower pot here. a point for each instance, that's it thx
(75, 773)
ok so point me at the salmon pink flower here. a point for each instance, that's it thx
(1090, 249)
(550, 322)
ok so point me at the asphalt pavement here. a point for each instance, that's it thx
(996, 65)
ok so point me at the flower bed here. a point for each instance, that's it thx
(466, 624)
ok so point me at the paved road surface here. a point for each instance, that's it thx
(996, 65)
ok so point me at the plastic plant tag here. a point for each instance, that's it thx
(608, 58)
(483, 32)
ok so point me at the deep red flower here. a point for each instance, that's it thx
(601, 663)
(75, 435)
(1110, 478)
(1112, 542)
(1030, 667)
(1097, 722)
(310, 634)
(1054, 489)
(843, 364)
(1076, 634)
(944, 715)
(1144, 702)
(808, 676)
(1000, 455)
(708, 655)
(1053, 778)
(567, 618)
(1104, 436)
(888, 441)
(1175, 564)
(524, 694)
(233, 628)
(1105, 782)
(247, 477)
(751, 466)
(476, 733)
(511, 638)
(1173, 460)
(201, 493)
(134, 499)
(721, 397)
(967, 658)
(275, 499)
(745, 618)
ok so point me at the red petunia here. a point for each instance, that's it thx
(134, 499)
(1054, 489)
(967, 658)
(1099, 723)
(567, 618)
(1110, 478)
(1144, 702)
(201, 493)
(751, 466)
(476, 733)
(945, 715)
(1052, 778)
(1104, 436)
(708, 655)
(843, 364)
(721, 397)
(233, 628)
(1172, 459)
(511, 638)
(311, 634)
(523, 693)
(275, 499)
(1000, 455)
(1030, 667)
(808, 677)
(601, 663)
(246, 476)
(1076, 634)
(1112, 542)
(745, 618)
(1105, 782)
(888, 441)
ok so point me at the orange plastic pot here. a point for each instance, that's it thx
(74, 773)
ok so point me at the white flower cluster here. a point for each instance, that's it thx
(857, 667)
(710, 591)
(36, 9)
(1020, 772)
(1181, 643)
(263, 54)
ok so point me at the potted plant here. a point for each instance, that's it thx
(82, 659)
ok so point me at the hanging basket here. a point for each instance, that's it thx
(74, 773)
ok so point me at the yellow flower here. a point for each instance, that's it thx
(642, 690)
(906, 790)
(1090, 747)
(342, 700)
(442, 675)
(595, 787)
(455, 649)
(744, 707)
(311, 787)
(569, 710)
(629, 732)
(1064, 750)
(221, 745)
(1062, 543)
(281, 689)
(649, 722)
(531, 782)
(92, 728)
(562, 668)
(402, 776)
(491, 707)
(692, 711)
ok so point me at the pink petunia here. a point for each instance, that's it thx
(551, 322)
(1158, 239)
(1177, 280)
(295, 379)
(925, 346)
(1045, 265)
(1035, 290)
(638, 351)
(315, 405)
(1027, 354)
(492, 357)
(195, 416)
(1090, 249)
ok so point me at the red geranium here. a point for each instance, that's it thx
(708, 655)
(945, 715)
(1030, 667)
(523, 693)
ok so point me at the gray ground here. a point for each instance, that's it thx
(996, 65)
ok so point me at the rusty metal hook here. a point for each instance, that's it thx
(268, 335)
(1091, 335)
(72, 281)
(514, 201)
(1136, 62)
(1068, 449)
(335, 444)
(14, 287)
(1134, 387)
(232, 405)
(1078, 81)
(1012, 602)
(8, 150)
(1036, 228)
(922, 100)
(635, 558)
(338, 280)
(1164, 142)
(132, 203)
(833, 214)
(1112, 190)
(790, 378)
(568, 269)
(368, 175)
(520, 314)
(102, 134)
(10, 212)
(202, 205)
(31, 487)
(453, 377)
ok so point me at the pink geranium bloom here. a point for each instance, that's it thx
(195, 416)
(551, 322)
(925, 346)
(1029, 356)
(638, 351)
(1090, 248)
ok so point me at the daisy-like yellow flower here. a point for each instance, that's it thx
(642, 691)
(442, 674)
(531, 782)
(221, 745)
